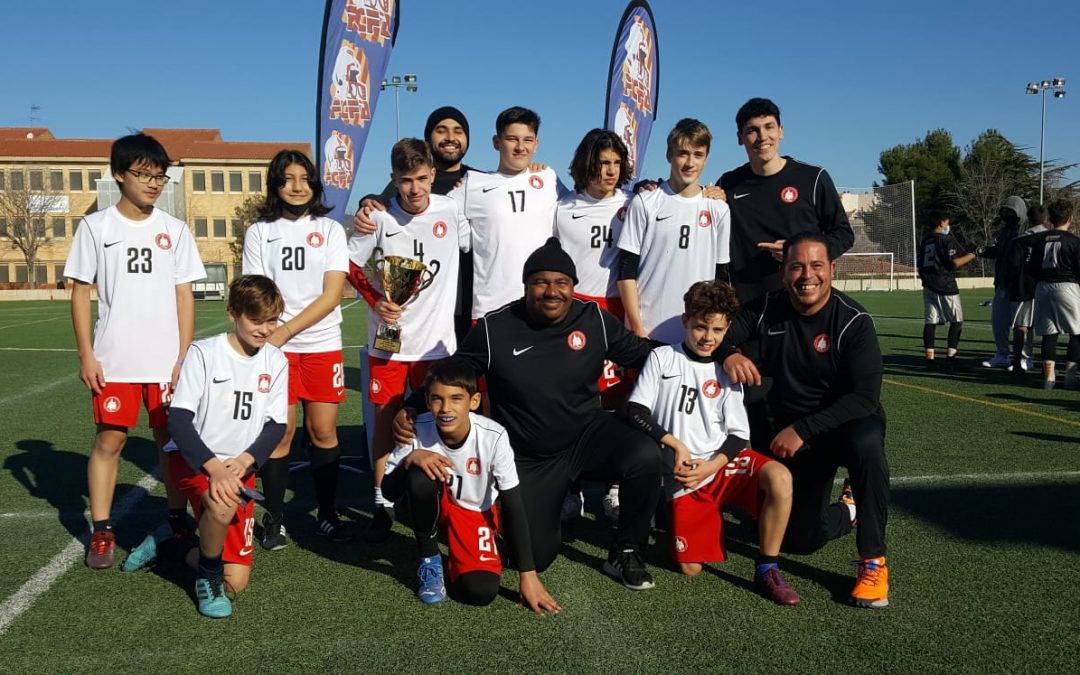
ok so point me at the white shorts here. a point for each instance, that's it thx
(940, 309)
(1057, 308)
(1023, 315)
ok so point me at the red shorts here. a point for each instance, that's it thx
(470, 536)
(613, 374)
(118, 404)
(613, 305)
(241, 532)
(319, 377)
(697, 520)
(387, 379)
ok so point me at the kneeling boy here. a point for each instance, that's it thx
(450, 476)
(684, 400)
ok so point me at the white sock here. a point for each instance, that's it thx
(380, 500)
(851, 510)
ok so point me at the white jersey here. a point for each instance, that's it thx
(232, 395)
(483, 465)
(694, 401)
(589, 230)
(137, 265)
(296, 254)
(434, 238)
(510, 217)
(680, 240)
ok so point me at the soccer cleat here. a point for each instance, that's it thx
(872, 584)
(573, 506)
(381, 523)
(211, 598)
(102, 549)
(432, 589)
(610, 504)
(142, 555)
(773, 586)
(335, 528)
(999, 361)
(627, 567)
(274, 535)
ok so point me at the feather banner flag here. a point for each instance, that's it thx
(634, 81)
(357, 38)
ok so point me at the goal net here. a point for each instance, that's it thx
(883, 220)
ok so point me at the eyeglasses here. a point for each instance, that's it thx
(147, 178)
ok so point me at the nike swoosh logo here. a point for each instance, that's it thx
(575, 216)
(667, 377)
(392, 234)
(245, 551)
(745, 194)
(659, 218)
(487, 558)
(485, 190)
(223, 379)
(778, 332)
(113, 243)
(271, 241)
(519, 352)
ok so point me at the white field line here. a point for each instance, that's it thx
(38, 389)
(28, 593)
(38, 349)
(30, 323)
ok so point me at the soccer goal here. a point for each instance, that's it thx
(866, 271)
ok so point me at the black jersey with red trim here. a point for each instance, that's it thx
(1055, 257)
(935, 262)
(798, 198)
(543, 378)
(826, 367)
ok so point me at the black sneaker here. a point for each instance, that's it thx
(379, 529)
(274, 535)
(335, 528)
(627, 567)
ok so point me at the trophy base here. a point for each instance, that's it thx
(388, 339)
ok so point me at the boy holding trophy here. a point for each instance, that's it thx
(412, 258)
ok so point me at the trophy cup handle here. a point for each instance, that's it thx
(429, 275)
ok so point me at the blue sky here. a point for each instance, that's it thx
(851, 78)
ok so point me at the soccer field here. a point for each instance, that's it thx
(984, 540)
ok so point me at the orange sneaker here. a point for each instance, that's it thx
(872, 585)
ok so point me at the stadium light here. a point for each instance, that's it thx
(1057, 86)
(407, 82)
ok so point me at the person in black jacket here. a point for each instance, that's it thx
(820, 349)
(939, 256)
(1020, 288)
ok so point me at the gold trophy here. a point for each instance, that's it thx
(402, 281)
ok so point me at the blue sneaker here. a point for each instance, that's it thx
(142, 555)
(432, 589)
(212, 599)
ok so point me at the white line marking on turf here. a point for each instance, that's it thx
(39, 389)
(30, 323)
(38, 349)
(22, 599)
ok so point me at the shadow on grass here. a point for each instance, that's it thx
(1072, 405)
(1052, 438)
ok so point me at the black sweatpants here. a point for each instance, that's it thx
(607, 450)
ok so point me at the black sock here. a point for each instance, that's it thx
(275, 478)
(211, 568)
(928, 335)
(175, 550)
(763, 559)
(103, 525)
(1049, 347)
(178, 520)
(954, 334)
(1019, 337)
(325, 467)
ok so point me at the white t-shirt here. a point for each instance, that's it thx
(137, 265)
(434, 238)
(232, 395)
(296, 254)
(510, 217)
(589, 230)
(694, 401)
(680, 241)
(483, 465)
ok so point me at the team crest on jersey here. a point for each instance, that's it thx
(711, 389)
(163, 241)
(789, 195)
(821, 343)
(112, 404)
(439, 230)
(680, 545)
(536, 182)
(576, 340)
(704, 219)
(472, 466)
(375, 386)
(315, 240)
(264, 383)
(621, 214)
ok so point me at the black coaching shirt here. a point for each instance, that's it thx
(826, 368)
(1055, 257)
(935, 262)
(543, 378)
(799, 198)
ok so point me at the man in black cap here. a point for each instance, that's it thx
(542, 356)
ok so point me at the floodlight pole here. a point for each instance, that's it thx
(1057, 86)
(407, 81)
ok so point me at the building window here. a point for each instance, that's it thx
(58, 228)
(56, 181)
(75, 180)
(255, 181)
(20, 274)
(4, 273)
(41, 274)
(217, 181)
(37, 180)
(94, 175)
(58, 273)
(219, 228)
(198, 181)
(39, 228)
(17, 178)
(236, 181)
(200, 227)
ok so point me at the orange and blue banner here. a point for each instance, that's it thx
(634, 81)
(358, 36)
